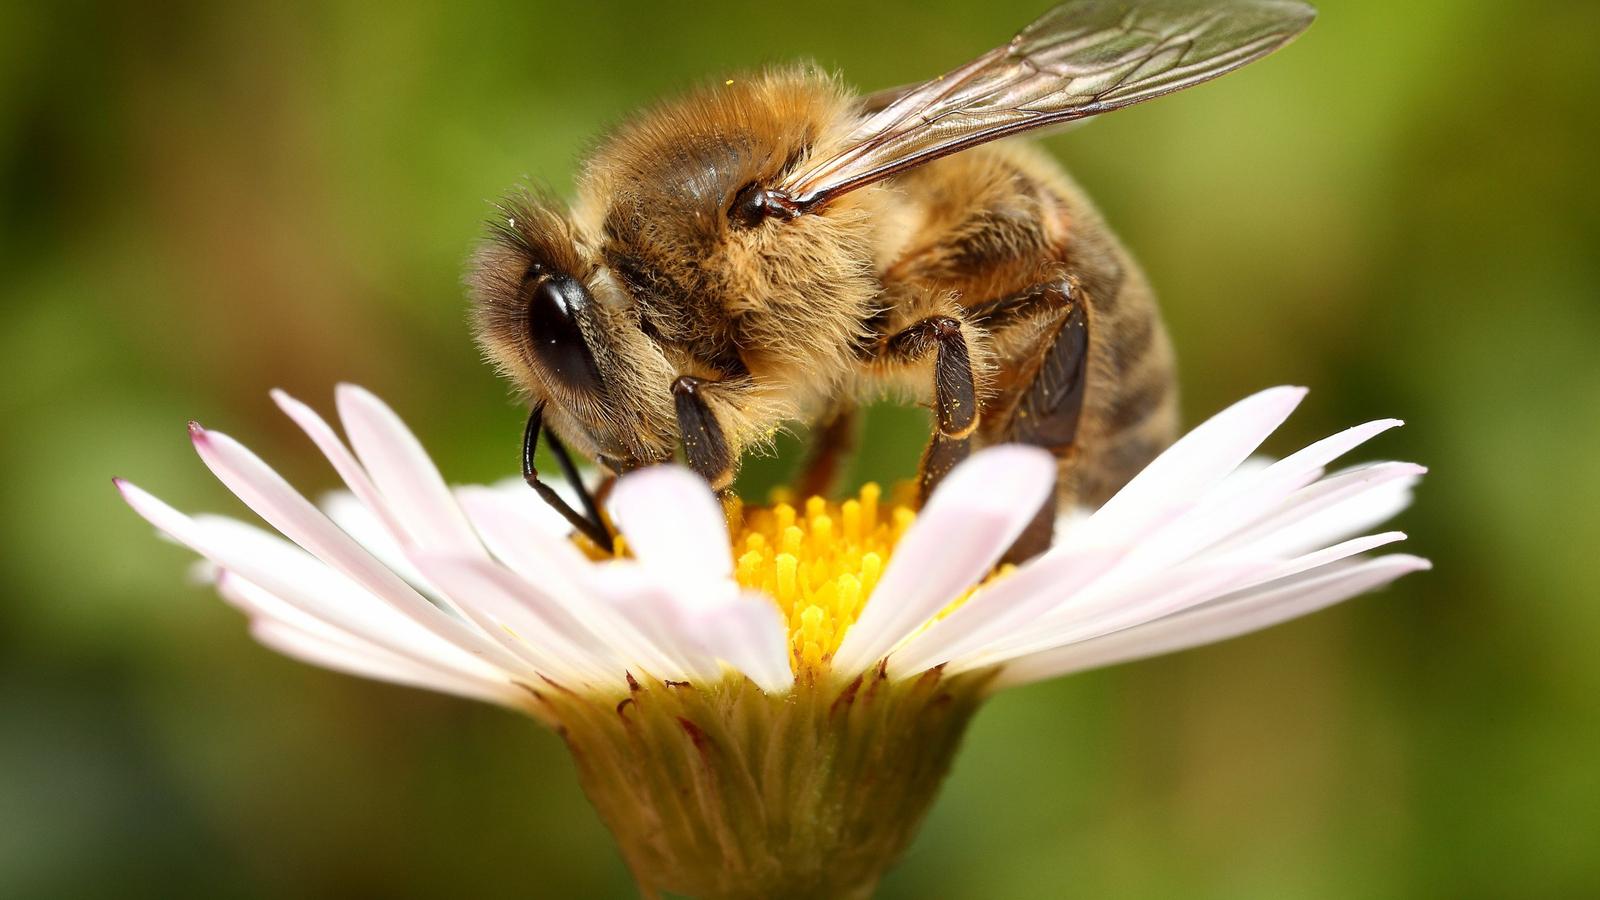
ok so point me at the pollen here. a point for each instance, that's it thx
(819, 561)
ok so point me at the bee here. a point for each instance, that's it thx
(774, 248)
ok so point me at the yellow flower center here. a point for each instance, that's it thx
(819, 562)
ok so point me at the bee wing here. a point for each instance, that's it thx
(878, 101)
(1080, 59)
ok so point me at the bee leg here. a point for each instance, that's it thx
(942, 454)
(569, 471)
(1047, 414)
(955, 392)
(834, 438)
(592, 526)
(705, 446)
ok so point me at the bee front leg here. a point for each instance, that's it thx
(592, 525)
(705, 445)
(955, 392)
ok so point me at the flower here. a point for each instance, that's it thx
(815, 669)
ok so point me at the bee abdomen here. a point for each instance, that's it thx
(1133, 410)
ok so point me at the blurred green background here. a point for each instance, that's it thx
(203, 201)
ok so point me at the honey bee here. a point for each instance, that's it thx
(775, 248)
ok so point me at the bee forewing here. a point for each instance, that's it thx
(1080, 59)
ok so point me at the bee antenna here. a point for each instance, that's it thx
(591, 526)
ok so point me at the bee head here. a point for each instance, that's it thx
(558, 327)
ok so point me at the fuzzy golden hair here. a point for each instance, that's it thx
(789, 320)
(680, 290)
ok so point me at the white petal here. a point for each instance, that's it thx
(512, 531)
(748, 633)
(533, 624)
(410, 482)
(974, 516)
(345, 653)
(691, 640)
(1330, 510)
(354, 476)
(257, 603)
(1327, 555)
(678, 531)
(274, 500)
(674, 524)
(313, 650)
(670, 650)
(1249, 611)
(305, 583)
(1195, 464)
(1238, 503)
(1005, 608)
(359, 521)
(1108, 606)
(517, 492)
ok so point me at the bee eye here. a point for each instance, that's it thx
(553, 305)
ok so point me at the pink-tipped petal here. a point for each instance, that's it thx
(402, 470)
(264, 491)
(298, 579)
(353, 475)
(973, 517)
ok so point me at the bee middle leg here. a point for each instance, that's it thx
(955, 392)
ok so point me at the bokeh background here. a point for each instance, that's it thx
(202, 201)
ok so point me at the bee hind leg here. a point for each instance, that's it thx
(955, 392)
(1046, 415)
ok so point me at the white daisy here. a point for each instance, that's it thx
(819, 646)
